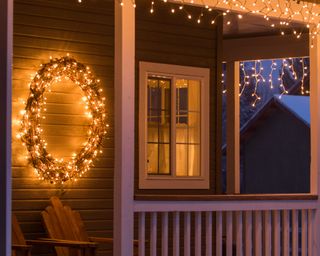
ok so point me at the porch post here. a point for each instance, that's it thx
(124, 128)
(233, 128)
(314, 49)
(6, 13)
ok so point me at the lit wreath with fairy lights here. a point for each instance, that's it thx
(47, 167)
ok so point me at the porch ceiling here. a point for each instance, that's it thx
(252, 25)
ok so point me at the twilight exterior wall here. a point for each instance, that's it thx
(86, 31)
(276, 155)
(45, 28)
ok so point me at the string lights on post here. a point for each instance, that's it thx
(58, 171)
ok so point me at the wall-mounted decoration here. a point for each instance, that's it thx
(58, 171)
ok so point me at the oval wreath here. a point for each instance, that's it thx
(49, 168)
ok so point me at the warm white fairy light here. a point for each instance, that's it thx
(286, 11)
(256, 78)
(58, 171)
(282, 86)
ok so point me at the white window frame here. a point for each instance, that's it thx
(174, 72)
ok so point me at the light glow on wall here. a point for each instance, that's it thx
(47, 167)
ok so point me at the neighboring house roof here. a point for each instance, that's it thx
(297, 106)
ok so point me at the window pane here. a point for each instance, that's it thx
(194, 127)
(164, 159)
(194, 92)
(154, 101)
(152, 158)
(159, 121)
(182, 160)
(188, 127)
(181, 134)
(164, 128)
(194, 160)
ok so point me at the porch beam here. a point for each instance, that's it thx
(259, 47)
(6, 24)
(259, 5)
(233, 128)
(315, 133)
(124, 128)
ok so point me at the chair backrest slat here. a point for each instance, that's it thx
(82, 231)
(63, 219)
(17, 235)
(53, 229)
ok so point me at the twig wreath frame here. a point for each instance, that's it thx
(46, 166)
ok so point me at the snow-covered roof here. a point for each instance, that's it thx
(298, 105)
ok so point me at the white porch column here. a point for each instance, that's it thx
(124, 128)
(315, 133)
(6, 13)
(233, 127)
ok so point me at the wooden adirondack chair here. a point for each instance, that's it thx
(22, 247)
(63, 223)
(19, 244)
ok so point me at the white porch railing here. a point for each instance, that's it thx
(237, 227)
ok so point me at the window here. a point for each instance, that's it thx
(173, 127)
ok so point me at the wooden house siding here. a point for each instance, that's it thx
(163, 37)
(86, 31)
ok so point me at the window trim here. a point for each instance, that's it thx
(176, 72)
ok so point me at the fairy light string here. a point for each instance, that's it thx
(255, 76)
(58, 171)
(277, 13)
(285, 11)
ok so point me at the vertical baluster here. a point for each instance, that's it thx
(239, 233)
(176, 234)
(218, 233)
(295, 239)
(310, 232)
(285, 233)
(153, 234)
(276, 233)
(267, 233)
(248, 233)
(164, 238)
(229, 233)
(142, 230)
(304, 234)
(208, 233)
(257, 233)
(187, 233)
(197, 242)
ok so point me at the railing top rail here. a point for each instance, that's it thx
(235, 197)
(224, 203)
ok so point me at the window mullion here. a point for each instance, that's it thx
(173, 128)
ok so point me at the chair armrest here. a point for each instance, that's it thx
(107, 240)
(103, 240)
(21, 247)
(61, 243)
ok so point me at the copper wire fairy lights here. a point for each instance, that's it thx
(58, 171)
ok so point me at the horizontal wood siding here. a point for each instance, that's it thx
(44, 28)
(163, 37)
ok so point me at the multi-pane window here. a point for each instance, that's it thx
(173, 119)
(159, 120)
(188, 126)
